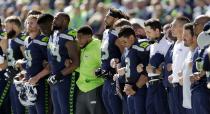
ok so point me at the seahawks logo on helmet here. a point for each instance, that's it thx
(28, 94)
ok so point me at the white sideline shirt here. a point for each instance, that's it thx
(187, 71)
(179, 55)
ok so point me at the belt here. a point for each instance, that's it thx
(155, 78)
(155, 82)
(174, 85)
(196, 83)
(110, 78)
(203, 80)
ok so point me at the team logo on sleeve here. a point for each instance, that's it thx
(144, 45)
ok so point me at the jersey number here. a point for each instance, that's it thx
(104, 49)
(28, 57)
(127, 68)
(55, 51)
(11, 60)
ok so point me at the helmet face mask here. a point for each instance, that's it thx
(18, 80)
(31, 92)
(18, 83)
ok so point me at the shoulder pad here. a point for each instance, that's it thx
(45, 39)
(67, 36)
(40, 42)
(72, 32)
(26, 40)
(3, 34)
(136, 47)
(27, 37)
(144, 44)
(23, 37)
(114, 32)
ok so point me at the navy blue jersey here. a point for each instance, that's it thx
(108, 49)
(57, 51)
(167, 60)
(206, 63)
(123, 64)
(137, 54)
(158, 51)
(36, 54)
(195, 56)
(1, 54)
(206, 60)
(199, 53)
(14, 51)
(2, 59)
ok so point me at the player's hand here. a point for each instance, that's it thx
(181, 80)
(208, 85)
(4, 44)
(149, 68)
(114, 62)
(121, 71)
(115, 77)
(159, 70)
(180, 74)
(170, 78)
(22, 75)
(34, 80)
(142, 81)
(139, 68)
(45, 63)
(68, 62)
(118, 65)
(169, 67)
(195, 77)
(128, 90)
(18, 64)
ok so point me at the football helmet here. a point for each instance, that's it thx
(18, 83)
(28, 94)
(17, 80)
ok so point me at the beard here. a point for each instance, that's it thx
(107, 26)
(11, 34)
(56, 27)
